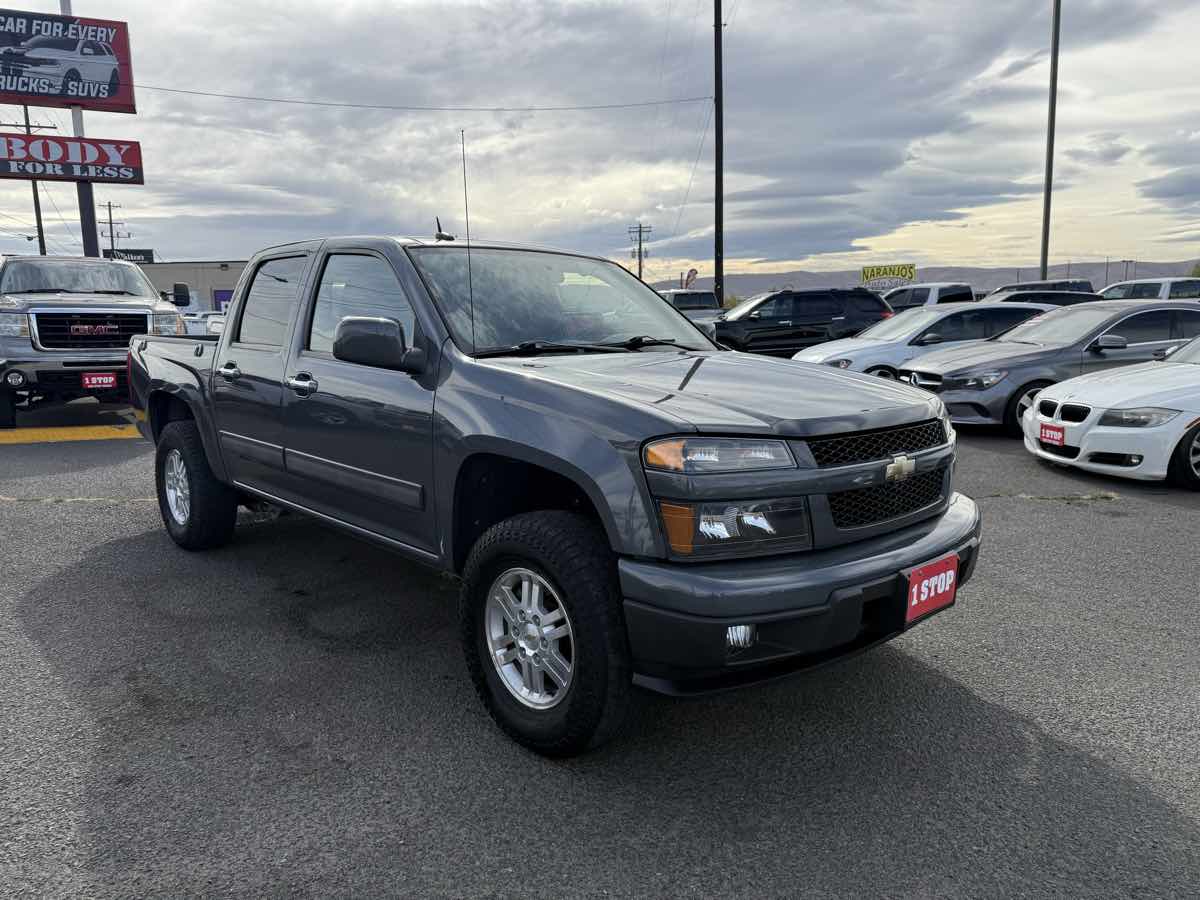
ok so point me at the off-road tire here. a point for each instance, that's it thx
(213, 505)
(8, 410)
(1181, 471)
(572, 553)
(1012, 424)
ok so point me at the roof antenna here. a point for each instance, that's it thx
(440, 235)
(467, 213)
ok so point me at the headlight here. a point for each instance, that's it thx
(839, 363)
(732, 528)
(14, 325)
(976, 381)
(1141, 417)
(168, 323)
(708, 456)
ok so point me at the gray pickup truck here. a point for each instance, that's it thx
(625, 502)
(65, 325)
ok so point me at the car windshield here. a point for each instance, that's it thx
(1188, 353)
(73, 276)
(902, 325)
(523, 296)
(747, 306)
(1064, 325)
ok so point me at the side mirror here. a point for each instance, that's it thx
(933, 338)
(181, 295)
(755, 315)
(1164, 352)
(378, 342)
(1109, 342)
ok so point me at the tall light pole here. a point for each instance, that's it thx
(719, 121)
(1050, 136)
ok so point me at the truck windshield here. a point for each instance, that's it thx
(73, 276)
(523, 296)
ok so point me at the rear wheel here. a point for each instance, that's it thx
(199, 512)
(8, 410)
(1185, 464)
(540, 623)
(1021, 400)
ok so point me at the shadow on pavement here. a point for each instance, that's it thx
(291, 714)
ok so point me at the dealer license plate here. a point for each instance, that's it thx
(1054, 435)
(99, 381)
(931, 587)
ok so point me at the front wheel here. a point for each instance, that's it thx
(1185, 463)
(1021, 400)
(198, 511)
(541, 626)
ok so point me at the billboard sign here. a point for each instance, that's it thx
(130, 255)
(883, 278)
(50, 60)
(70, 159)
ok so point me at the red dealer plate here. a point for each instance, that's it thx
(931, 587)
(99, 381)
(1053, 434)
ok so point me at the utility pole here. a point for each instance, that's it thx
(112, 232)
(1055, 28)
(37, 200)
(639, 233)
(87, 200)
(719, 151)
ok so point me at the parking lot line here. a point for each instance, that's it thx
(69, 433)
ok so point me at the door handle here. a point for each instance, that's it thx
(302, 383)
(230, 371)
(786, 322)
(838, 319)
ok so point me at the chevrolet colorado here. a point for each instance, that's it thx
(625, 502)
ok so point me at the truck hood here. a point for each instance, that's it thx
(984, 353)
(737, 392)
(1172, 385)
(23, 302)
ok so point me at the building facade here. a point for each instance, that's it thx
(211, 282)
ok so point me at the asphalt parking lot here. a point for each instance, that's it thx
(290, 715)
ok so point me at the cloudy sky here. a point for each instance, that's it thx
(859, 131)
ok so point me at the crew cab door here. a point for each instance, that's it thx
(359, 439)
(247, 380)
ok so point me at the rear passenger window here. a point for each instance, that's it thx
(357, 285)
(863, 304)
(963, 326)
(1187, 324)
(270, 301)
(1185, 290)
(955, 295)
(1145, 291)
(817, 304)
(1145, 328)
(900, 299)
(920, 296)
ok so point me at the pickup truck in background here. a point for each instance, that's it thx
(625, 502)
(65, 325)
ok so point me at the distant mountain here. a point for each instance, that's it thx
(981, 279)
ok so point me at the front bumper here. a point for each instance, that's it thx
(978, 407)
(61, 376)
(808, 608)
(1106, 450)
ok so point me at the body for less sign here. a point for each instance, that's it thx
(70, 159)
(65, 61)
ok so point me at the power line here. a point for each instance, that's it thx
(688, 192)
(61, 219)
(385, 106)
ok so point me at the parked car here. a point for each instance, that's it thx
(885, 347)
(1154, 289)
(780, 323)
(699, 306)
(65, 324)
(74, 68)
(1062, 284)
(1136, 422)
(624, 501)
(1049, 298)
(995, 381)
(911, 295)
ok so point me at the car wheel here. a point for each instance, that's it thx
(71, 77)
(199, 512)
(541, 626)
(1021, 400)
(883, 372)
(1185, 464)
(8, 410)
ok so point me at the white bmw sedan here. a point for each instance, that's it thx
(1138, 421)
(886, 346)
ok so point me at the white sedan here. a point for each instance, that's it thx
(885, 347)
(1138, 421)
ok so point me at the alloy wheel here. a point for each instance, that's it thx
(1026, 402)
(175, 483)
(529, 638)
(1194, 455)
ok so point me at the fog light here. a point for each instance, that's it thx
(15, 379)
(740, 637)
(1135, 460)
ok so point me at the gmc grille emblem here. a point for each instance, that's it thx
(900, 468)
(81, 330)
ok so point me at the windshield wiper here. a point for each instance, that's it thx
(536, 348)
(645, 340)
(45, 291)
(127, 293)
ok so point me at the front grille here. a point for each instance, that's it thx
(88, 331)
(1048, 408)
(883, 502)
(867, 446)
(1055, 450)
(1073, 412)
(926, 380)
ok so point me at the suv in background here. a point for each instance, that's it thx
(911, 295)
(779, 323)
(1048, 298)
(699, 306)
(1154, 289)
(1064, 284)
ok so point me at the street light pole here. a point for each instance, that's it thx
(1055, 28)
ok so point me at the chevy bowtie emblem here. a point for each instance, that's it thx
(899, 468)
